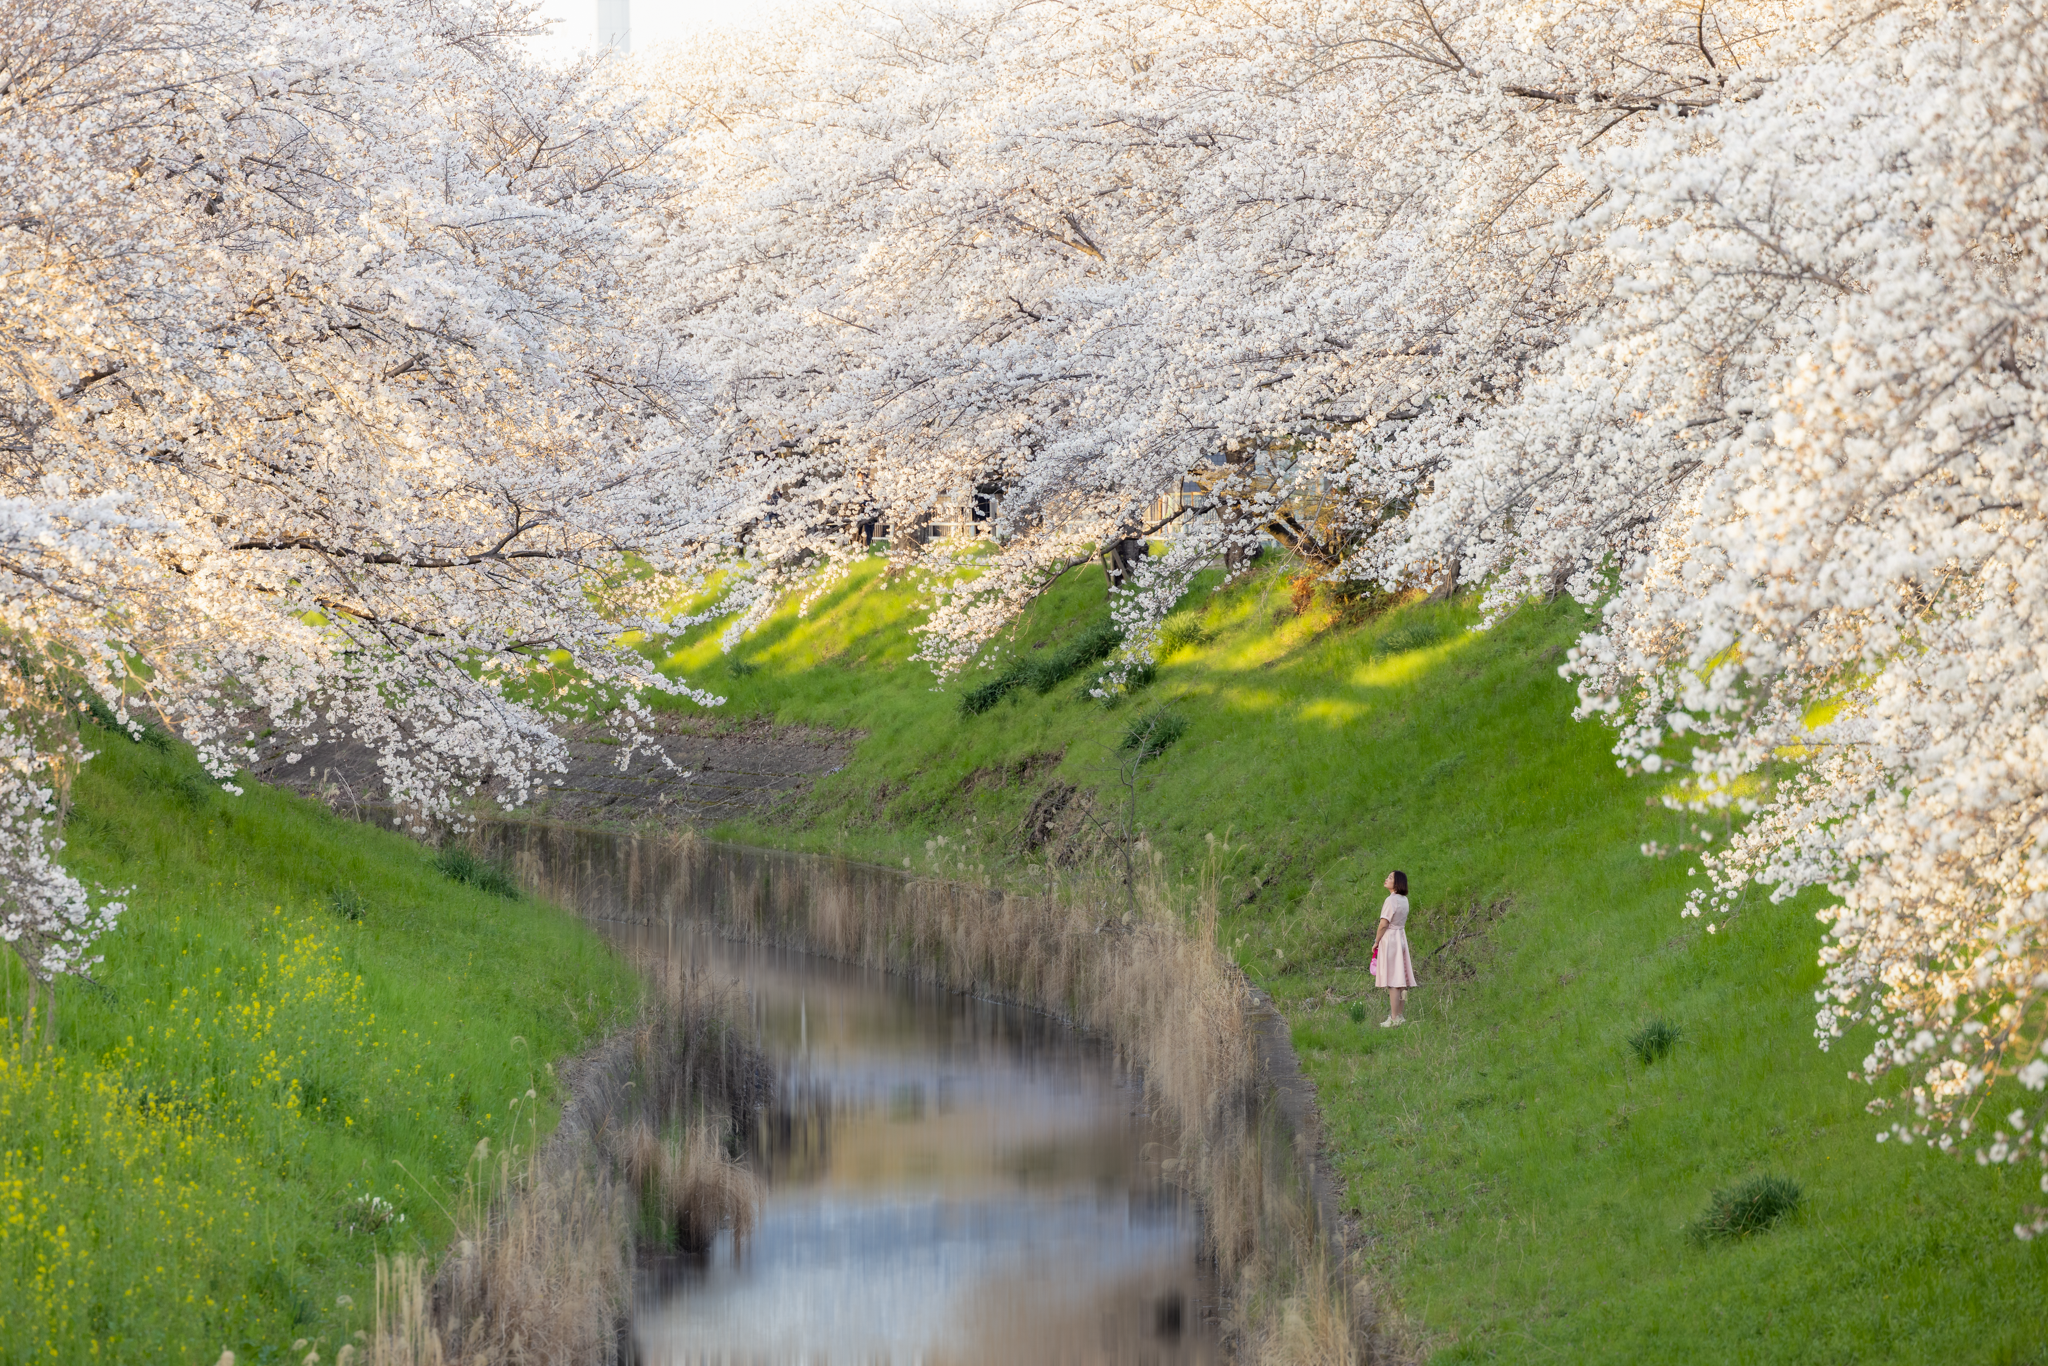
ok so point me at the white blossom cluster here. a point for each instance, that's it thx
(326, 408)
(1726, 318)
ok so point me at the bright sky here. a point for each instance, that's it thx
(654, 21)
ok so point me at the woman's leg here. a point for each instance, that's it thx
(1399, 997)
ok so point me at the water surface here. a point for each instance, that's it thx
(948, 1180)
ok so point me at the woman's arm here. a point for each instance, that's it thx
(1381, 935)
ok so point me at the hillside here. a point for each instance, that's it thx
(298, 1017)
(1523, 1184)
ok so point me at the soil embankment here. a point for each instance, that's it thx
(696, 771)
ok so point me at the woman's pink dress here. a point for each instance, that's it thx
(1395, 966)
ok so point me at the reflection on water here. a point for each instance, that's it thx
(948, 1180)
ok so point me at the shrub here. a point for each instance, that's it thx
(1151, 733)
(1301, 592)
(1653, 1040)
(1359, 600)
(1358, 1012)
(1749, 1208)
(984, 695)
(462, 865)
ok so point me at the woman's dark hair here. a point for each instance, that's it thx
(1400, 883)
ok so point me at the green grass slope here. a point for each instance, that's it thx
(295, 1014)
(1523, 1183)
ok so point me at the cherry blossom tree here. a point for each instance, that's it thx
(1077, 256)
(325, 410)
(1828, 399)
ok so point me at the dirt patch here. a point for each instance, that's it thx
(1466, 942)
(1042, 821)
(1016, 773)
(1064, 827)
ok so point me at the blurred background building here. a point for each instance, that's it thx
(615, 24)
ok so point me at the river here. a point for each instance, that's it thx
(947, 1179)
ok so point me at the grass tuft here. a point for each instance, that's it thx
(147, 732)
(982, 696)
(1417, 634)
(348, 903)
(1151, 733)
(459, 863)
(1182, 631)
(1057, 665)
(368, 1214)
(1653, 1040)
(1137, 680)
(1751, 1207)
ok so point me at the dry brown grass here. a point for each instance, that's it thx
(402, 1333)
(544, 1281)
(696, 1082)
(687, 1181)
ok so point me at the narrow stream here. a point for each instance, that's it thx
(947, 1180)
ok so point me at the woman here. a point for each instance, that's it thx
(1392, 967)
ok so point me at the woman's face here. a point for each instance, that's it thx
(1390, 882)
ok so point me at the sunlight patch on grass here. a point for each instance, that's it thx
(1394, 671)
(1334, 712)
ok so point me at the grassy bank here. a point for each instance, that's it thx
(302, 1031)
(1525, 1185)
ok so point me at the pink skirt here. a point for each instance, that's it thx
(1394, 967)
